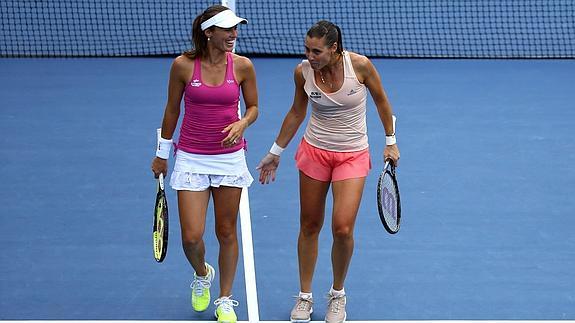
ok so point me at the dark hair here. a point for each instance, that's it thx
(199, 39)
(330, 31)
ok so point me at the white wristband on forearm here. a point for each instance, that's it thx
(276, 150)
(164, 146)
(390, 140)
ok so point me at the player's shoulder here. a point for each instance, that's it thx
(299, 68)
(359, 60)
(303, 67)
(298, 72)
(182, 59)
(362, 65)
(183, 62)
(242, 62)
(183, 66)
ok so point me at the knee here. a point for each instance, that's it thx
(191, 245)
(191, 239)
(343, 232)
(226, 234)
(310, 228)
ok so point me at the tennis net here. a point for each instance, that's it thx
(401, 28)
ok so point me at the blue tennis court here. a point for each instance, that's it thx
(483, 94)
(486, 177)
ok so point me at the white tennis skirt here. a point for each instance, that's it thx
(194, 172)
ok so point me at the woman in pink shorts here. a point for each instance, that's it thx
(333, 152)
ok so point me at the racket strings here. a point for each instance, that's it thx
(160, 227)
(159, 243)
(160, 219)
(388, 200)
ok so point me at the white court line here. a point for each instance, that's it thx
(248, 255)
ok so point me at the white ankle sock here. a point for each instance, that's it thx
(207, 271)
(334, 292)
(305, 295)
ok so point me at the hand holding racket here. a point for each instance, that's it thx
(160, 222)
(388, 201)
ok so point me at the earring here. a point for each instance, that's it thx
(208, 38)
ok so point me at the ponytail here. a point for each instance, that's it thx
(199, 39)
(330, 31)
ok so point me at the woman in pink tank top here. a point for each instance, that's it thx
(210, 160)
(333, 152)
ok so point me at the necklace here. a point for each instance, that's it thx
(323, 80)
(336, 64)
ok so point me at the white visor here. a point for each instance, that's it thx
(224, 19)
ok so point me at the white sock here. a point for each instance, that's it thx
(207, 271)
(306, 296)
(337, 293)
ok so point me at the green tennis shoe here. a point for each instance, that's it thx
(225, 309)
(201, 289)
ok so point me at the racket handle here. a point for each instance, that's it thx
(387, 162)
(161, 180)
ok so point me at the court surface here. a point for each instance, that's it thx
(486, 178)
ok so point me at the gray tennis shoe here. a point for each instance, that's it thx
(335, 309)
(301, 312)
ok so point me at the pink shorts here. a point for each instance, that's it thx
(324, 165)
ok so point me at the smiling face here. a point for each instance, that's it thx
(222, 38)
(317, 52)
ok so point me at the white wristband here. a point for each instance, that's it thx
(164, 146)
(390, 140)
(276, 150)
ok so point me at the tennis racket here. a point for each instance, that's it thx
(160, 222)
(388, 202)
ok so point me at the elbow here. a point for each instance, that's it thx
(256, 113)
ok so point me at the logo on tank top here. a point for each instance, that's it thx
(354, 91)
(196, 83)
(315, 95)
(230, 81)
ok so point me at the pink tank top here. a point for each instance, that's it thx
(208, 110)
